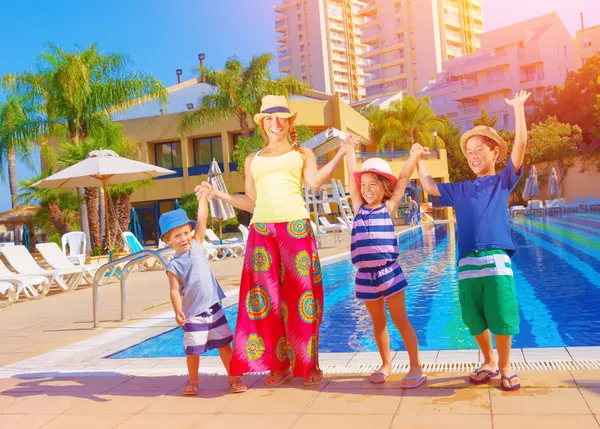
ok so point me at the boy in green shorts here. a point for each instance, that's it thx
(486, 286)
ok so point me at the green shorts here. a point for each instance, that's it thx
(487, 293)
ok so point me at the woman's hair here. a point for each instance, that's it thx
(293, 134)
(386, 185)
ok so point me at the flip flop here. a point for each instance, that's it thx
(378, 377)
(318, 381)
(421, 379)
(190, 389)
(511, 388)
(489, 375)
(237, 386)
(281, 380)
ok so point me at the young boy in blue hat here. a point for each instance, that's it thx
(196, 295)
(486, 286)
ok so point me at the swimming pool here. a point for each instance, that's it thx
(557, 271)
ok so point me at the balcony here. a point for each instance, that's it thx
(281, 26)
(452, 20)
(369, 23)
(340, 47)
(370, 10)
(285, 69)
(473, 89)
(283, 58)
(283, 39)
(453, 35)
(371, 39)
(532, 80)
(475, 63)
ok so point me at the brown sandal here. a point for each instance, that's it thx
(190, 389)
(237, 386)
(284, 376)
(314, 378)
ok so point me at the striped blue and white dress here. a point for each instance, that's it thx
(374, 251)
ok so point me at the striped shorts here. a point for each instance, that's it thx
(208, 330)
(379, 282)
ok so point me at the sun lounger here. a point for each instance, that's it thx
(592, 202)
(515, 210)
(220, 251)
(33, 287)
(22, 262)
(58, 260)
(237, 244)
(133, 246)
(333, 226)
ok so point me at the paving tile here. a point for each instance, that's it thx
(538, 401)
(555, 421)
(222, 421)
(113, 404)
(8, 400)
(355, 382)
(354, 421)
(162, 421)
(450, 380)
(544, 379)
(207, 402)
(103, 421)
(587, 378)
(446, 421)
(445, 401)
(68, 385)
(156, 384)
(40, 403)
(427, 356)
(516, 355)
(453, 356)
(547, 354)
(367, 358)
(358, 401)
(25, 421)
(271, 401)
(592, 398)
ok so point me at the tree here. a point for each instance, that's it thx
(458, 167)
(405, 122)
(77, 91)
(574, 102)
(486, 119)
(247, 145)
(238, 92)
(16, 136)
(59, 208)
(551, 140)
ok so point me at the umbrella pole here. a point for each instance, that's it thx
(221, 229)
(106, 217)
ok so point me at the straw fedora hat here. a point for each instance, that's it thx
(376, 166)
(274, 105)
(482, 130)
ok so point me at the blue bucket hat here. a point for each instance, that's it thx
(173, 219)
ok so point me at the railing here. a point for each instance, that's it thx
(128, 262)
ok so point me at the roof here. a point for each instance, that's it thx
(178, 98)
(439, 85)
(381, 102)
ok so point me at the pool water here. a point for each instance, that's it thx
(556, 268)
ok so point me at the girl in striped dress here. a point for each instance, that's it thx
(375, 194)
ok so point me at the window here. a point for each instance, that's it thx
(168, 155)
(205, 149)
(587, 43)
(322, 160)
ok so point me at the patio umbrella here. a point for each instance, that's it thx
(219, 210)
(532, 188)
(134, 226)
(102, 168)
(25, 239)
(553, 188)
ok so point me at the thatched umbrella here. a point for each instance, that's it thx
(20, 216)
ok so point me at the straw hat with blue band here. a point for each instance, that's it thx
(482, 130)
(173, 219)
(274, 105)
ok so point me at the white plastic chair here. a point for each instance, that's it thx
(77, 246)
(245, 232)
(235, 244)
(21, 260)
(58, 261)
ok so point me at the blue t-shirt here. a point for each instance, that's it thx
(481, 207)
(199, 288)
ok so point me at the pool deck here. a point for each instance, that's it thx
(52, 375)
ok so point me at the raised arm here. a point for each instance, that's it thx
(315, 177)
(245, 201)
(428, 183)
(202, 217)
(353, 187)
(518, 151)
(407, 170)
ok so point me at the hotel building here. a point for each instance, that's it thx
(409, 40)
(530, 55)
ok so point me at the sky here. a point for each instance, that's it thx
(160, 37)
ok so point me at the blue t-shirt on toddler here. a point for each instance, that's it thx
(481, 207)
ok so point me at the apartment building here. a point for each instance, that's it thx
(586, 44)
(409, 39)
(319, 43)
(530, 55)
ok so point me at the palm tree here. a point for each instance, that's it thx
(486, 119)
(78, 91)
(405, 122)
(238, 92)
(17, 131)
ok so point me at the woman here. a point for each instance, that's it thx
(281, 293)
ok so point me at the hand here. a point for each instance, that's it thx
(205, 190)
(349, 144)
(419, 151)
(180, 318)
(519, 100)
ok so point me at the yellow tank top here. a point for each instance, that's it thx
(278, 182)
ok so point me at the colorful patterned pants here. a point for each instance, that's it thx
(281, 301)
